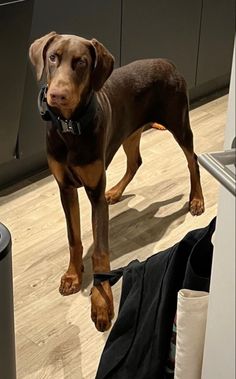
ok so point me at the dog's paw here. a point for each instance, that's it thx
(196, 207)
(102, 310)
(70, 284)
(113, 197)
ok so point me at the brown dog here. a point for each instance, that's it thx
(91, 116)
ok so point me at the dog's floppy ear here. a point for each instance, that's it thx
(37, 52)
(103, 66)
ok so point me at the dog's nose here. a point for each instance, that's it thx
(58, 96)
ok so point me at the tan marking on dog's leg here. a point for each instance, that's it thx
(72, 279)
(181, 130)
(196, 201)
(102, 310)
(134, 160)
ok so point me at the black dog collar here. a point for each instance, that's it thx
(75, 126)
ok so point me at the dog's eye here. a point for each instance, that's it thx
(53, 58)
(78, 63)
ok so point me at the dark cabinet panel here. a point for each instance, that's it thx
(87, 18)
(163, 28)
(15, 23)
(31, 138)
(216, 40)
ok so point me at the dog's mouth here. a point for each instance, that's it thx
(62, 108)
(58, 104)
(61, 111)
(61, 101)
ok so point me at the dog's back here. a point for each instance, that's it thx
(142, 92)
(143, 75)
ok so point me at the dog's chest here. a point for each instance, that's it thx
(75, 160)
(73, 150)
(88, 175)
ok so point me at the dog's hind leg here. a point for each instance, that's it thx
(134, 160)
(182, 132)
(196, 200)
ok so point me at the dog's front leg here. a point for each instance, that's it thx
(72, 279)
(102, 310)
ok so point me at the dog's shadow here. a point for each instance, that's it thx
(134, 229)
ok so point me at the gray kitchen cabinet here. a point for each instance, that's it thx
(216, 40)
(15, 24)
(162, 29)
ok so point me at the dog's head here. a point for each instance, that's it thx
(74, 66)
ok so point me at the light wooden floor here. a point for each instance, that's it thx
(55, 337)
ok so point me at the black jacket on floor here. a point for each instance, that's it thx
(139, 342)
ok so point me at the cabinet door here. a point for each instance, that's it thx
(15, 23)
(87, 18)
(216, 40)
(164, 29)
